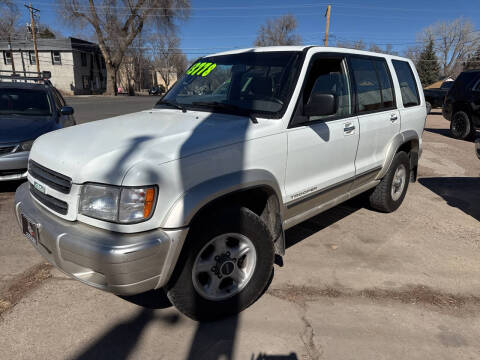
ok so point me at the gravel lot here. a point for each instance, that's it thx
(356, 284)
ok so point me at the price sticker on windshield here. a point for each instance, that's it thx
(201, 69)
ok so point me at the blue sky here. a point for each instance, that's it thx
(219, 25)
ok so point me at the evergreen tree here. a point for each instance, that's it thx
(428, 67)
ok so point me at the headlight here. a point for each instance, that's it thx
(26, 145)
(117, 204)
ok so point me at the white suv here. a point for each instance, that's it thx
(194, 195)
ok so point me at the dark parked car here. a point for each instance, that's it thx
(434, 97)
(156, 90)
(462, 105)
(27, 110)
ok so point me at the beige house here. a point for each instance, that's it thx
(159, 79)
(77, 66)
(140, 80)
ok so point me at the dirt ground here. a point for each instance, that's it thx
(356, 284)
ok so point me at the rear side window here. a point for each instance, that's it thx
(408, 85)
(373, 83)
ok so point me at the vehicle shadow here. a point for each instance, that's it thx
(459, 192)
(444, 132)
(10, 186)
(119, 341)
(311, 226)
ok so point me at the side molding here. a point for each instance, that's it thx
(185, 207)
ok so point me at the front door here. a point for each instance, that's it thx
(322, 149)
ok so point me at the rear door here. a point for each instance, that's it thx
(475, 102)
(321, 149)
(412, 108)
(378, 117)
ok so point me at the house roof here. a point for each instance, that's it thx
(66, 44)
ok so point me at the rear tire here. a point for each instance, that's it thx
(461, 126)
(388, 195)
(208, 281)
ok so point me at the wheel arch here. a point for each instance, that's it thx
(257, 190)
(407, 141)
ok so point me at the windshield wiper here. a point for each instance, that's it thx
(173, 104)
(225, 106)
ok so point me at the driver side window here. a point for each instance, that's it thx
(329, 76)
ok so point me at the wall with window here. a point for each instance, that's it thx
(89, 72)
(59, 63)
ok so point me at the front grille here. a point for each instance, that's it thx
(53, 179)
(6, 150)
(59, 206)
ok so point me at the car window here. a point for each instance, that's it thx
(408, 85)
(57, 100)
(446, 85)
(367, 84)
(24, 102)
(328, 76)
(385, 83)
(61, 100)
(476, 87)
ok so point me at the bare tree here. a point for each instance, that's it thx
(278, 31)
(357, 44)
(454, 42)
(117, 23)
(8, 20)
(134, 70)
(413, 53)
(168, 59)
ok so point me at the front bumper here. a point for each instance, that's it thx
(124, 264)
(14, 166)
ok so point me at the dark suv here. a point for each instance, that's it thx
(462, 105)
(30, 106)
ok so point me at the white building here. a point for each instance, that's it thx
(77, 66)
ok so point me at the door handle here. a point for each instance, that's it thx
(393, 117)
(349, 128)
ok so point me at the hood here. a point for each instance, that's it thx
(17, 128)
(103, 151)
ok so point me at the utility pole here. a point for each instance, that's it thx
(34, 33)
(327, 15)
(11, 55)
(23, 64)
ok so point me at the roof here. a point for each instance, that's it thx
(66, 44)
(23, 85)
(303, 47)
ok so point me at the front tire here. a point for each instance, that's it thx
(461, 127)
(225, 266)
(388, 195)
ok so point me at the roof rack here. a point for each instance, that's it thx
(24, 76)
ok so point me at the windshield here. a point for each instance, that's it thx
(256, 83)
(24, 102)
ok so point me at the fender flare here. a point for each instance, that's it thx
(194, 199)
(395, 143)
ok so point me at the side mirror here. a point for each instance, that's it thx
(66, 110)
(477, 147)
(320, 105)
